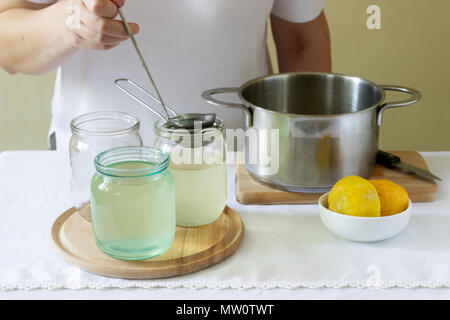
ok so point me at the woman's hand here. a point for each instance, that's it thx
(90, 24)
(36, 39)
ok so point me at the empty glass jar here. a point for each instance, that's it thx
(198, 166)
(133, 203)
(93, 133)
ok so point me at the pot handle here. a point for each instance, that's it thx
(208, 96)
(415, 97)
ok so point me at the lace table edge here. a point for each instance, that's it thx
(54, 285)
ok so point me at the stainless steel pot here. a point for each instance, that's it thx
(327, 123)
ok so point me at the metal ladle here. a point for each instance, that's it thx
(179, 121)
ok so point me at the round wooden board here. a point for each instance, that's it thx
(193, 249)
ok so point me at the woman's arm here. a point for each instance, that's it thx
(302, 46)
(36, 39)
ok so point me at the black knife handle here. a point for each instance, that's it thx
(387, 159)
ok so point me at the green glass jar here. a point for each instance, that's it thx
(133, 203)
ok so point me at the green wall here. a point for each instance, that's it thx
(25, 111)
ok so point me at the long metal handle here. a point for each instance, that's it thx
(141, 57)
(117, 83)
(415, 97)
(208, 96)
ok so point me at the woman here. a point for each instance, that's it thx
(190, 46)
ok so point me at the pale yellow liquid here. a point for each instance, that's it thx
(200, 192)
(133, 218)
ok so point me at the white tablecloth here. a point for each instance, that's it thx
(286, 252)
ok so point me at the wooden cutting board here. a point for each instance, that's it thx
(251, 191)
(193, 249)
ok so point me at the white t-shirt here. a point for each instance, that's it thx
(190, 46)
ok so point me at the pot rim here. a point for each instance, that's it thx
(251, 105)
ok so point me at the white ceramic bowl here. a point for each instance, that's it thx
(363, 229)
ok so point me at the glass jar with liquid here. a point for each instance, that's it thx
(198, 166)
(133, 203)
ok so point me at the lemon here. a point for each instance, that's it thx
(394, 199)
(354, 196)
